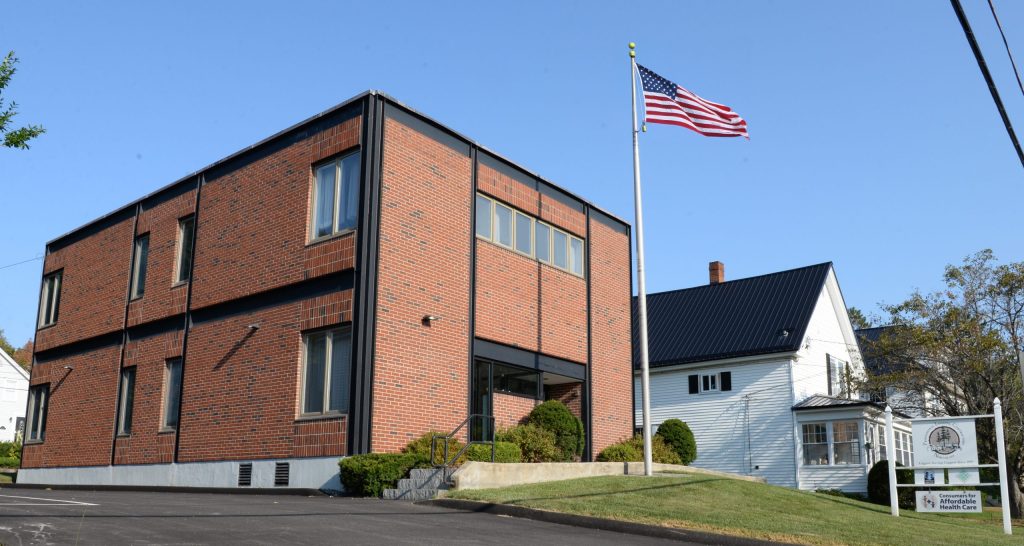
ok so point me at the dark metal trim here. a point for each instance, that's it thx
(550, 190)
(302, 290)
(433, 131)
(187, 322)
(124, 330)
(42, 277)
(505, 354)
(474, 162)
(508, 169)
(587, 394)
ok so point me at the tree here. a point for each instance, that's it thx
(958, 349)
(857, 318)
(23, 356)
(13, 138)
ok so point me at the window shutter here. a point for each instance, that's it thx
(725, 381)
(828, 372)
(693, 384)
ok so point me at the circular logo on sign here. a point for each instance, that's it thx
(944, 440)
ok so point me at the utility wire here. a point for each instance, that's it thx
(22, 262)
(988, 76)
(1016, 72)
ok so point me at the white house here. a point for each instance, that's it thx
(13, 397)
(761, 370)
(917, 403)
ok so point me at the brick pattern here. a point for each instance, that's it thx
(326, 310)
(570, 394)
(557, 213)
(253, 223)
(511, 410)
(507, 285)
(93, 288)
(164, 297)
(320, 438)
(82, 405)
(421, 373)
(507, 189)
(563, 315)
(612, 366)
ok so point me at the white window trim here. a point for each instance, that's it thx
(716, 377)
(32, 419)
(569, 238)
(335, 207)
(48, 304)
(830, 443)
(178, 270)
(827, 444)
(329, 340)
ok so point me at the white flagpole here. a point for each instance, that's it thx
(640, 283)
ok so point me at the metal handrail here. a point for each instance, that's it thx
(446, 462)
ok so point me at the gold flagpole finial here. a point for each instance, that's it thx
(632, 49)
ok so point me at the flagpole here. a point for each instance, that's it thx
(640, 282)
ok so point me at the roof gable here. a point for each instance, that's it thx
(746, 317)
(6, 359)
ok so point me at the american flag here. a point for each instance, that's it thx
(666, 102)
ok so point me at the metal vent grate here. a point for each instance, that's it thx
(281, 471)
(245, 475)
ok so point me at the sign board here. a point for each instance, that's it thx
(949, 501)
(964, 476)
(944, 442)
(929, 477)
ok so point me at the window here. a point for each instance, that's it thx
(881, 444)
(845, 442)
(49, 298)
(512, 380)
(124, 406)
(524, 234)
(139, 266)
(576, 256)
(186, 234)
(709, 383)
(904, 448)
(815, 441)
(483, 216)
(837, 377)
(38, 398)
(336, 196)
(327, 372)
(561, 252)
(172, 393)
(543, 242)
(502, 225)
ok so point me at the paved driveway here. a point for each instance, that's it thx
(30, 516)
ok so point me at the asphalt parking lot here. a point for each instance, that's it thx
(32, 516)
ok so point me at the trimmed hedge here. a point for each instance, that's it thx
(536, 444)
(679, 437)
(10, 449)
(370, 474)
(632, 450)
(10, 462)
(504, 452)
(421, 447)
(878, 485)
(555, 417)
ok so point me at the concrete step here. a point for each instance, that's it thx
(410, 494)
(444, 474)
(437, 482)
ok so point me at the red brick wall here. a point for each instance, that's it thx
(421, 373)
(511, 410)
(570, 394)
(147, 443)
(164, 297)
(93, 288)
(507, 286)
(612, 371)
(82, 405)
(253, 223)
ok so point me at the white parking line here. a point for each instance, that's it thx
(49, 502)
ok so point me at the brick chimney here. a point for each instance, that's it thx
(716, 271)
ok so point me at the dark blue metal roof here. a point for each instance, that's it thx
(876, 363)
(745, 317)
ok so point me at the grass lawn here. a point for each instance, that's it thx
(5, 478)
(750, 509)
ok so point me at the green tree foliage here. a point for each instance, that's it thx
(504, 452)
(536, 445)
(13, 138)
(6, 345)
(421, 448)
(878, 485)
(555, 417)
(632, 450)
(679, 437)
(370, 474)
(857, 318)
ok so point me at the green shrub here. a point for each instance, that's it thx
(504, 452)
(421, 447)
(679, 437)
(10, 449)
(878, 485)
(632, 450)
(370, 474)
(10, 462)
(555, 417)
(536, 444)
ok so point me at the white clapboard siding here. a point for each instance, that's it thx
(850, 478)
(720, 422)
(826, 335)
(13, 396)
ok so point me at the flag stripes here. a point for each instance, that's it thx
(668, 103)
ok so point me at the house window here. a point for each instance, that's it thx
(838, 384)
(709, 383)
(336, 196)
(904, 448)
(326, 372)
(49, 298)
(524, 234)
(543, 239)
(845, 442)
(561, 250)
(576, 256)
(502, 225)
(38, 402)
(881, 444)
(484, 211)
(125, 405)
(512, 380)
(815, 441)
(140, 259)
(172, 393)
(186, 234)
(527, 235)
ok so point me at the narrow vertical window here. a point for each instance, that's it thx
(323, 224)
(172, 393)
(483, 217)
(502, 225)
(38, 398)
(124, 410)
(348, 204)
(186, 233)
(561, 250)
(576, 256)
(139, 266)
(845, 442)
(326, 372)
(524, 234)
(543, 243)
(49, 298)
(335, 196)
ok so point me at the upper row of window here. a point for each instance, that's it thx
(510, 228)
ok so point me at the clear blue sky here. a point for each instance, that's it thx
(874, 142)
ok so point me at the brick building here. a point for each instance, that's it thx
(341, 287)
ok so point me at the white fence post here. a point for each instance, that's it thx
(890, 452)
(1004, 492)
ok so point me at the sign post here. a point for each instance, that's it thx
(890, 452)
(1001, 446)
